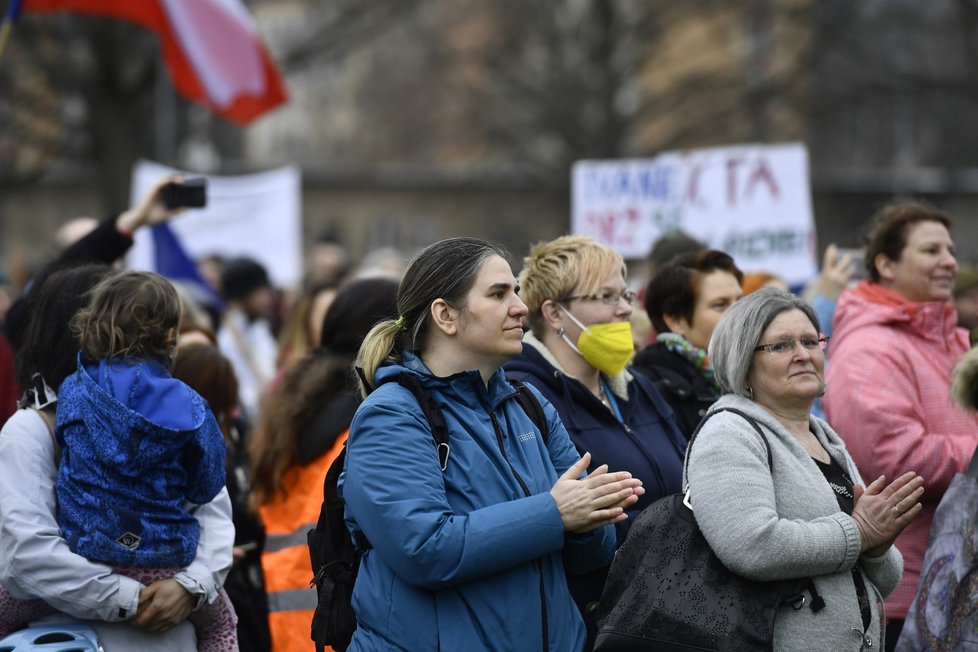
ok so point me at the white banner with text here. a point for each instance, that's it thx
(254, 215)
(751, 201)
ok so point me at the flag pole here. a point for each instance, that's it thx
(7, 26)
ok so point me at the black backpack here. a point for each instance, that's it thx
(336, 558)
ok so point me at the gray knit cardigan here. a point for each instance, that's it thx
(786, 523)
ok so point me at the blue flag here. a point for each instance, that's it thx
(173, 262)
(13, 9)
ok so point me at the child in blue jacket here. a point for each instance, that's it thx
(139, 450)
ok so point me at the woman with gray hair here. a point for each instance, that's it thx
(796, 506)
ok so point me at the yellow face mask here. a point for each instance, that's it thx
(606, 347)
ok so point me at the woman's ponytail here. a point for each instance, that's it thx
(377, 348)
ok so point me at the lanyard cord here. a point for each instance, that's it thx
(611, 398)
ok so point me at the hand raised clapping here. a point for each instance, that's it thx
(882, 511)
(596, 500)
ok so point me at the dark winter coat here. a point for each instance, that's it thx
(682, 385)
(648, 444)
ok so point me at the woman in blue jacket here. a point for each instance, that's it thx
(468, 555)
(581, 341)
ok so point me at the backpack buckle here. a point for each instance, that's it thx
(444, 450)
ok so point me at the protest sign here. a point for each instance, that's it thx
(751, 201)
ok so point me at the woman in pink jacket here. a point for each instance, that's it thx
(895, 341)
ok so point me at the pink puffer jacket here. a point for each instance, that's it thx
(889, 378)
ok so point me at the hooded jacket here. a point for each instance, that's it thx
(470, 557)
(647, 443)
(889, 398)
(137, 445)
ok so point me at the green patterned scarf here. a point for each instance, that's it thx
(694, 354)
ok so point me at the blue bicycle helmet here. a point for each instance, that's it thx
(61, 637)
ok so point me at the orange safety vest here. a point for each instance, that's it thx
(285, 560)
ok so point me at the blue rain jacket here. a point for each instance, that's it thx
(470, 558)
(137, 446)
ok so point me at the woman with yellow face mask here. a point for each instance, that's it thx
(575, 352)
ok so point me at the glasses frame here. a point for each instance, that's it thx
(823, 342)
(628, 295)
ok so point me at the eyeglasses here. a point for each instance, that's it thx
(607, 297)
(786, 346)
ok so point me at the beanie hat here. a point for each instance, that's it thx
(242, 276)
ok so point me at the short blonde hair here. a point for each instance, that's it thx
(569, 265)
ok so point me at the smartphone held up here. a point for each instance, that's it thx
(189, 193)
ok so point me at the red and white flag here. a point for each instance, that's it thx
(211, 48)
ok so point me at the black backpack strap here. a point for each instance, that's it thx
(436, 420)
(439, 429)
(528, 401)
(335, 563)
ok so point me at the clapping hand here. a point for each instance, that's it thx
(596, 500)
(882, 511)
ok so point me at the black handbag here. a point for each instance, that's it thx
(666, 590)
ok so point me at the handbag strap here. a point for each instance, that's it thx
(817, 603)
(740, 413)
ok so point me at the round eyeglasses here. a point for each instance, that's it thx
(786, 346)
(607, 297)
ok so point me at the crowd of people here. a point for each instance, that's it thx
(162, 458)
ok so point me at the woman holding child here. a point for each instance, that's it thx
(38, 563)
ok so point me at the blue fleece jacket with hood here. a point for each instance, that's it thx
(472, 557)
(137, 446)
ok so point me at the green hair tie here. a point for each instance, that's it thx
(400, 323)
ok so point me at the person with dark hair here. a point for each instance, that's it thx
(671, 245)
(136, 446)
(245, 336)
(37, 562)
(774, 491)
(301, 432)
(576, 354)
(202, 366)
(685, 300)
(302, 325)
(895, 342)
(476, 560)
